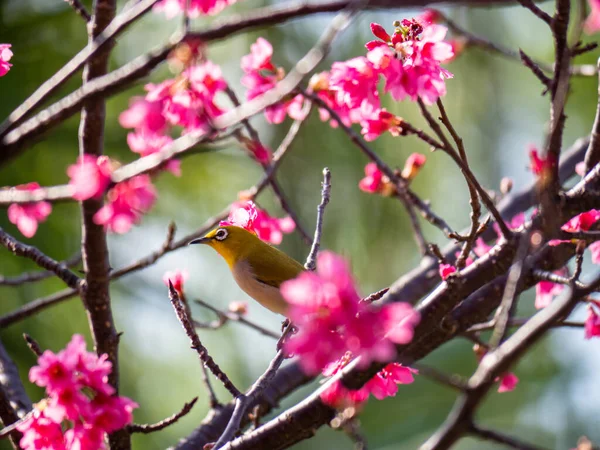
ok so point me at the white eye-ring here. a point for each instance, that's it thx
(221, 234)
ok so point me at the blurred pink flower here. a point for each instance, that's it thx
(592, 322)
(248, 216)
(144, 115)
(372, 182)
(5, 55)
(545, 291)
(445, 270)
(27, 216)
(508, 382)
(90, 176)
(261, 75)
(380, 122)
(127, 202)
(413, 165)
(332, 320)
(196, 8)
(582, 222)
(592, 23)
(355, 85)
(177, 278)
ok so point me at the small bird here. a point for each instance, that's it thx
(258, 268)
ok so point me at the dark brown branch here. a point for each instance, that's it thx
(500, 438)
(205, 358)
(494, 364)
(535, 9)
(14, 402)
(79, 9)
(151, 428)
(31, 277)
(535, 69)
(94, 250)
(27, 251)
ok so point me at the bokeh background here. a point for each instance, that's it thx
(494, 103)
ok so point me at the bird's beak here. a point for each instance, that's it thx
(203, 240)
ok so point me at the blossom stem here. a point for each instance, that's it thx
(311, 259)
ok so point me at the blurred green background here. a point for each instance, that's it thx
(494, 103)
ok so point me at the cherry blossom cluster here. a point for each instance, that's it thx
(186, 101)
(261, 75)
(27, 216)
(195, 8)
(375, 182)
(5, 56)
(248, 216)
(410, 63)
(383, 384)
(81, 407)
(332, 320)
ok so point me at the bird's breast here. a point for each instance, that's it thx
(268, 296)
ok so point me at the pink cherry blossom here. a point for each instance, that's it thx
(90, 176)
(355, 84)
(177, 278)
(144, 115)
(380, 122)
(413, 165)
(319, 84)
(261, 75)
(410, 61)
(127, 202)
(481, 248)
(39, 432)
(5, 55)
(592, 322)
(146, 143)
(372, 182)
(508, 382)
(242, 215)
(595, 251)
(540, 167)
(81, 408)
(545, 291)
(582, 222)
(592, 23)
(195, 8)
(260, 153)
(446, 270)
(27, 216)
(332, 320)
(383, 384)
(248, 216)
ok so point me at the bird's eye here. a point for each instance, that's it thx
(221, 234)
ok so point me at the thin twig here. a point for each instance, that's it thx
(535, 69)
(468, 174)
(530, 5)
(205, 358)
(520, 321)
(508, 304)
(225, 316)
(151, 428)
(311, 259)
(27, 251)
(473, 196)
(31, 277)
(79, 9)
(454, 381)
(33, 345)
(277, 190)
(500, 438)
(242, 401)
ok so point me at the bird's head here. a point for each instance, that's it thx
(231, 242)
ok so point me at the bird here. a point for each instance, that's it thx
(258, 268)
